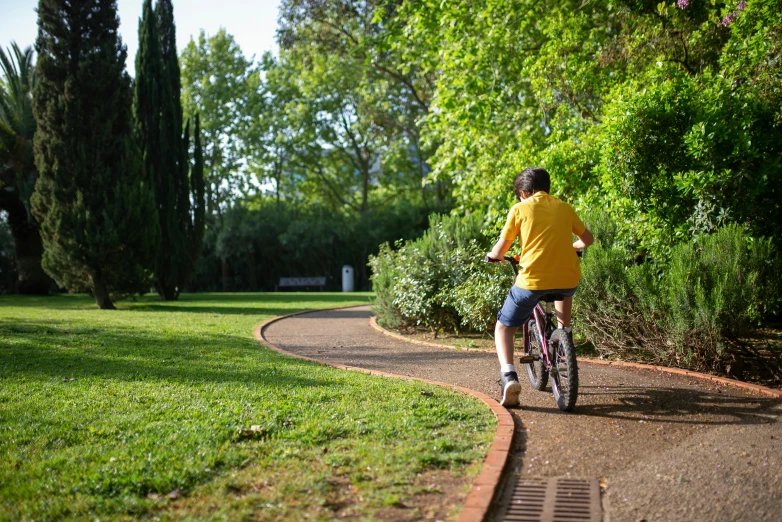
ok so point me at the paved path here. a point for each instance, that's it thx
(668, 448)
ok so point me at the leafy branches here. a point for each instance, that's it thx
(218, 84)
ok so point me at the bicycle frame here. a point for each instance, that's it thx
(542, 320)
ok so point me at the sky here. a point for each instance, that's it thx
(252, 23)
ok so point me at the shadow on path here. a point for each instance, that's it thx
(339, 314)
(671, 405)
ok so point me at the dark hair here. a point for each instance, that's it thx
(531, 180)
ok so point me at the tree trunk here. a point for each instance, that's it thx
(226, 273)
(365, 190)
(101, 293)
(251, 271)
(363, 269)
(32, 280)
(278, 176)
(168, 292)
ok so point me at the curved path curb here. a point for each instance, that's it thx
(478, 500)
(622, 364)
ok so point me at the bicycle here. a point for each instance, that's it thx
(550, 355)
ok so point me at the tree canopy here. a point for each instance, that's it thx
(658, 112)
(665, 115)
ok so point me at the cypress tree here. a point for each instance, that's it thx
(193, 191)
(186, 224)
(199, 189)
(188, 247)
(158, 110)
(154, 142)
(92, 198)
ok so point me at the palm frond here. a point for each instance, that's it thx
(16, 108)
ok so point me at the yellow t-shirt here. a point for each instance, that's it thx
(544, 226)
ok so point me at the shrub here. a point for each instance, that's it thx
(477, 289)
(717, 290)
(695, 312)
(674, 153)
(439, 280)
(611, 308)
(384, 274)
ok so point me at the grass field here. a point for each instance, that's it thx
(173, 411)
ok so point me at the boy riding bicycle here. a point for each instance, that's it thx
(548, 264)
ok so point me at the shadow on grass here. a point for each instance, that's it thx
(206, 303)
(217, 310)
(247, 310)
(246, 304)
(63, 350)
(276, 297)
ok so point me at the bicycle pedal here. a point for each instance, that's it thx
(528, 359)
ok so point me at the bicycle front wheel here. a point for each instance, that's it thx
(536, 370)
(564, 372)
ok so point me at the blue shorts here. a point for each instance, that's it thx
(520, 303)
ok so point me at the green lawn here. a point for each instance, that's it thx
(173, 410)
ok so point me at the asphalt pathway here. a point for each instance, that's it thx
(666, 448)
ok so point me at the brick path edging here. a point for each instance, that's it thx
(478, 500)
(621, 364)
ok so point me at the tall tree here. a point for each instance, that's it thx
(17, 166)
(158, 112)
(93, 199)
(393, 83)
(217, 81)
(342, 145)
(197, 177)
(272, 135)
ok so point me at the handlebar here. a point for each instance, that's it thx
(514, 260)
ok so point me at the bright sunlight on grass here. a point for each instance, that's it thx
(173, 410)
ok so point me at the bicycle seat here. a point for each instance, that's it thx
(550, 298)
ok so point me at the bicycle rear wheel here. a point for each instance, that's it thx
(536, 370)
(564, 372)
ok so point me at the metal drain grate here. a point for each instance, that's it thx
(555, 500)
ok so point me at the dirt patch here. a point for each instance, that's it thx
(437, 494)
(762, 361)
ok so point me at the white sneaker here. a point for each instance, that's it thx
(510, 389)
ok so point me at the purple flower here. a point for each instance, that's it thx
(683, 4)
(741, 6)
(729, 18)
